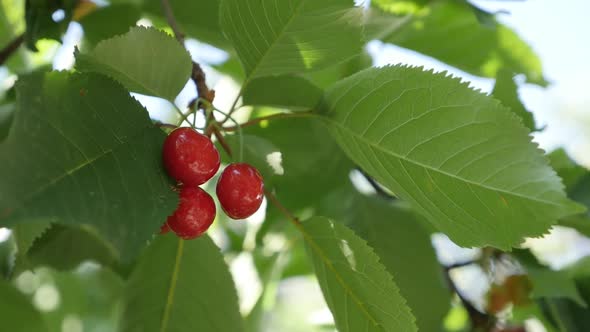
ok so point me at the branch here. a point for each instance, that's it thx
(376, 186)
(197, 74)
(479, 320)
(274, 201)
(9, 49)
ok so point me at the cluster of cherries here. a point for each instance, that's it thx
(192, 159)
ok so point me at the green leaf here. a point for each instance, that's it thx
(6, 112)
(458, 156)
(18, 314)
(181, 286)
(568, 170)
(506, 91)
(280, 37)
(391, 230)
(65, 247)
(359, 291)
(197, 19)
(82, 151)
(323, 167)
(145, 60)
(282, 91)
(580, 223)
(40, 24)
(109, 21)
(547, 283)
(554, 284)
(451, 32)
(25, 235)
(255, 151)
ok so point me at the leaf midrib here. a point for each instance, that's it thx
(75, 169)
(273, 43)
(417, 163)
(345, 286)
(172, 287)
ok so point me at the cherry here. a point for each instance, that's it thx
(190, 157)
(240, 190)
(194, 215)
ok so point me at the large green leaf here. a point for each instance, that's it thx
(287, 91)
(568, 170)
(18, 314)
(506, 91)
(145, 60)
(359, 291)
(275, 37)
(40, 23)
(390, 230)
(451, 32)
(181, 286)
(6, 111)
(25, 235)
(197, 19)
(65, 247)
(462, 159)
(309, 153)
(81, 150)
(109, 21)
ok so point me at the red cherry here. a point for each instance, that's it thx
(190, 157)
(240, 190)
(194, 215)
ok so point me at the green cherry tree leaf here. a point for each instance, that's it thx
(18, 313)
(144, 60)
(358, 289)
(390, 230)
(181, 286)
(109, 21)
(286, 91)
(198, 19)
(506, 91)
(481, 49)
(461, 159)
(65, 247)
(273, 37)
(82, 151)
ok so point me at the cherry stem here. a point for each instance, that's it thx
(274, 201)
(215, 128)
(255, 121)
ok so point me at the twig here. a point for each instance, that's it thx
(270, 117)
(222, 141)
(459, 265)
(197, 74)
(9, 49)
(479, 320)
(376, 186)
(274, 201)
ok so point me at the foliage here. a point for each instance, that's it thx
(84, 193)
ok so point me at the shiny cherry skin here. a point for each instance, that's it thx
(190, 157)
(195, 213)
(240, 190)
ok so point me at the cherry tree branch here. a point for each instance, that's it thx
(9, 49)
(197, 75)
